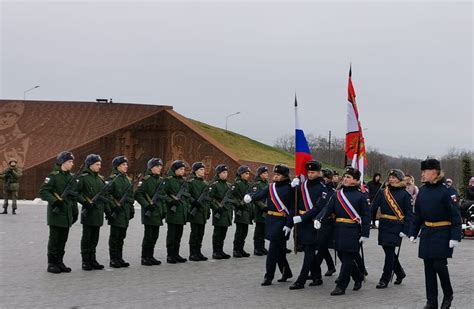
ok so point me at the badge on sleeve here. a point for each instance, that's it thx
(323, 195)
(47, 179)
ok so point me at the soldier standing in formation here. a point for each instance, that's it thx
(200, 210)
(439, 220)
(89, 186)
(10, 177)
(121, 210)
(222, 214)
(260, 183)
(62, 209)
(152, 209)
(395, 219)
(280, 199)
(243, 211)
(311, 200)
(176, 189)
(351, 229)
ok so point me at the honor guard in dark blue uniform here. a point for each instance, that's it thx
(312, 194)
(395, 219)
(352, 228)
(280, 201)
(325, 235)
(440, 224)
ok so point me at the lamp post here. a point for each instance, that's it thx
(24, 92)
(227, 118)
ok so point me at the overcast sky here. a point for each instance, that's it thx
(412, 64)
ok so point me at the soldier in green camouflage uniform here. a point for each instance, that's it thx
(243, 211)
(222, 211)
(58, 190)
(176, 190)
(148, 195)
(121, 210)
(10, 177)
(89, 186)
(199, 212)
(260, 183)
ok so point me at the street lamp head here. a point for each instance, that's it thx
(36, 87)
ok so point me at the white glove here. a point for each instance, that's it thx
(297, 219)
(247, 198)
(286, 230)
(295, 182)
(363, 239)
(453, 243)
(402, 235)
(377, 223)
(317, 224)
(413, 239)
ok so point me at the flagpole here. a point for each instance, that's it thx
(295, 237)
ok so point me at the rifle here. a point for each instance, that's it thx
(99, 195)
(155, 199)
(203, 197)
(183, 191)
(125, 196)
(67, 189)
(222, 204)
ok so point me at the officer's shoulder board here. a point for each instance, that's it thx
(54, 173)
(146, 177)
(102, 177)
(214, 183)
(84, 174)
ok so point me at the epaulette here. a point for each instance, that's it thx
(84, 174)
(146, 177)
(102, 177)
(215, 182)
(54, 173)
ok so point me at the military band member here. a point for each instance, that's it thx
(351, 230)
(395, 219)
(58, 190)
(199, 212)
(280, 201)
(312, 194)
(243, 211)
(121, 210)
(10, 177)
(221, 212)
(89, 186)
(440, 223)
(260, 182)
(148, 195)
(177, 191)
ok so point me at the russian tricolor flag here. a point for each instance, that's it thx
(302, 152)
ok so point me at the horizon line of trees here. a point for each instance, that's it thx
(456, 164)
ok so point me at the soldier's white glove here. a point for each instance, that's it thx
(377, 223)
(363, 239)
(453, 243)
(295, 182)
(247, 198)
(402, 235)
(317, 224)
(413, 239)
(286, 230)
(297, 219)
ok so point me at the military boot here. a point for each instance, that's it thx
(146, 257)
(201, 256)
(64, 268)
(86, 263)
(178, 257)
(114, 261)
(152, 259)
(244, 253)
(52, 265)
(14, 211)
(124, 264)
(94, 262)
(193, 254)
(4, 211)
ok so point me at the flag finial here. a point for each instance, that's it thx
(296, 102)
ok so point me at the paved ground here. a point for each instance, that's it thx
(24, 282)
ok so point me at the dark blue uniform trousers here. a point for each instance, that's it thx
(348, 268)
(277, 255)
(308, 263)
(438, 267)
(391, 264)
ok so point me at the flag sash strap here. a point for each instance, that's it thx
(393, 204)
(276, 199)
(308, 204)
(347, 206)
